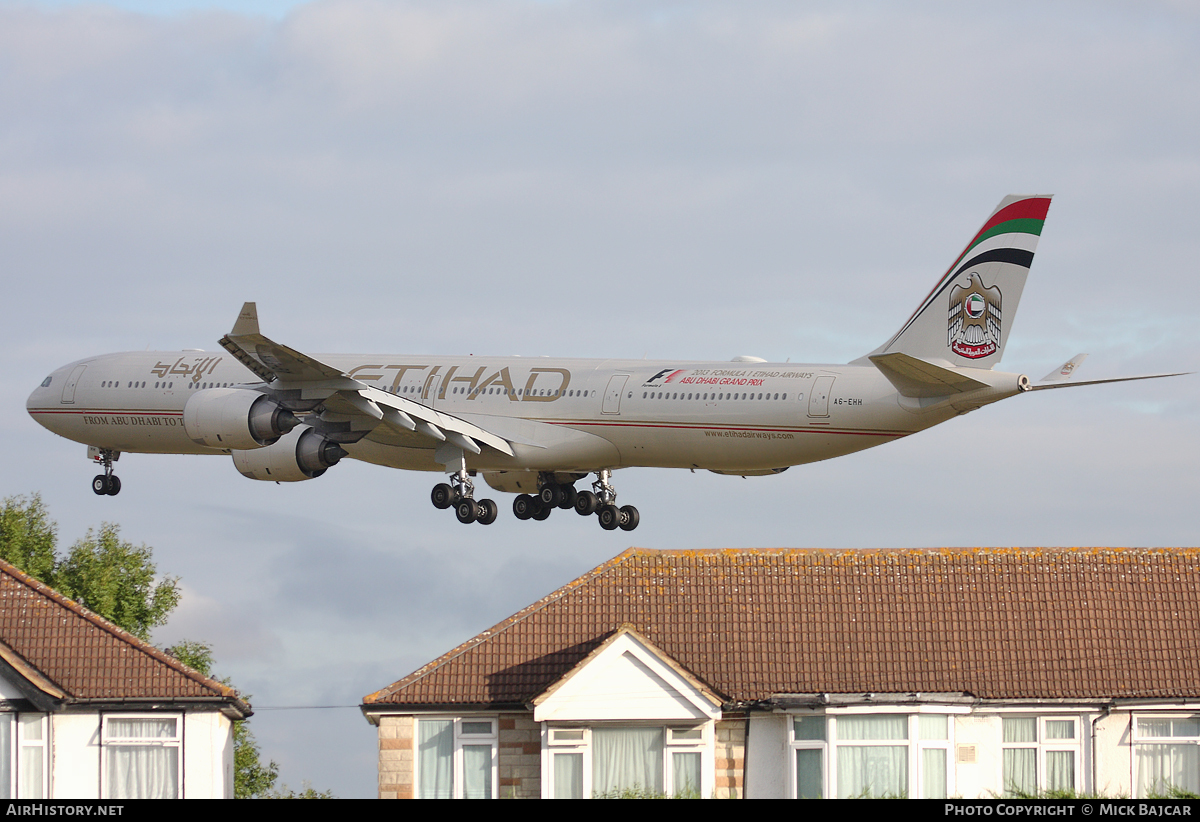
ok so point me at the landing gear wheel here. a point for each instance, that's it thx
(586, 503)
(569, 495)
(551, 496)
(629, 518)
(114, 485)
(541, 511)
(610, 517)
(523, 506)
(467, 511)
(487, 511)
(100, 485)
(443, 496)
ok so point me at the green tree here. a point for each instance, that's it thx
(28, 537)
(117, 581)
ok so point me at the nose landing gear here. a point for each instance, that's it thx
(106, 484)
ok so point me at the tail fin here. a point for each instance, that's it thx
(966, 318)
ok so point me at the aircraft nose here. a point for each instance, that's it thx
(40, 397)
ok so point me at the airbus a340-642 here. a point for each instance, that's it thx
(536, 427)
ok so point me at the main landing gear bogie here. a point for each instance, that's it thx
(459, 494)
(600, 501)
(461, 497)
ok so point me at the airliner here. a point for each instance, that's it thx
(535, 426)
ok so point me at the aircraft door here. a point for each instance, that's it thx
(68, 395)
(612, 394)
(818, 399)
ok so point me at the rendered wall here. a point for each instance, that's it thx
(208, 756)
(768, 758)
(75, 756)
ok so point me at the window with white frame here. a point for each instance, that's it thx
(456, 758)
(23, 739)
(1166, 752)
(870, 755)
(142, 756)
(610, 760)
(1040, 754)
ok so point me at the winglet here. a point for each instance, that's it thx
(247, 321)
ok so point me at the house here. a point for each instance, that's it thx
(89, 711)
(813, 673)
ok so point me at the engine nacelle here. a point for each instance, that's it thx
(235, 418)
(299, 455)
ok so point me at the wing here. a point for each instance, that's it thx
(348, 408)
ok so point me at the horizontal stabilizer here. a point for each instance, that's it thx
(917, 378)
(1042, 386)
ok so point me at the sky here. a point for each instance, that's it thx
(676, 181)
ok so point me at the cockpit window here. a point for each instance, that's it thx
(46, 382)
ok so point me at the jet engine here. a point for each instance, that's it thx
(235, 418)
(299, 455)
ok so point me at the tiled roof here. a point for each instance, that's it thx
(69, 652)
(994, 623)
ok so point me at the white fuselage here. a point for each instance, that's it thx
(561, 414)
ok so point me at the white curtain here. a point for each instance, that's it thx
(933, 773)
(568, 776)
(1020, 771)
(872, 770)
(1020, 764)
(878, 771)
(477, 771)
(627, 759)
(1164, 766)
(141, 771)
(435, 758)
(1060, 770)
(685, 774)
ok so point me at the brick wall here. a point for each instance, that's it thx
(730, 757)
(396, 757)
(520, 757)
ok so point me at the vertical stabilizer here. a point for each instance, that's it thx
(965, 320)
